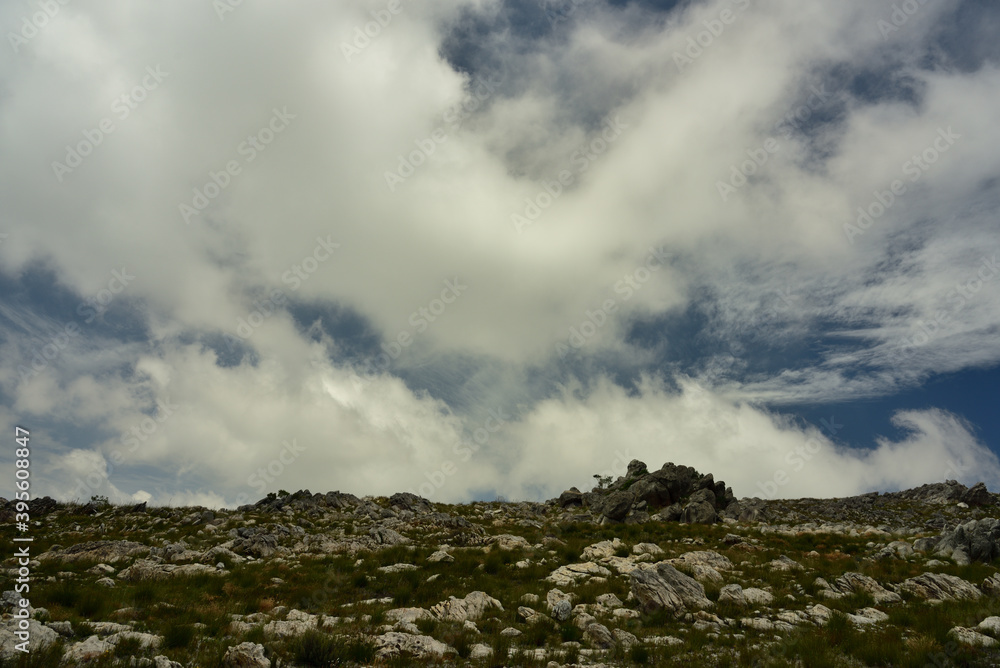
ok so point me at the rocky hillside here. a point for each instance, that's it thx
(656, 568)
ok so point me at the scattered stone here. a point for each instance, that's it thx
(939, 587)
(562, 610)
(783, 563)
(471, 608)
(664, 587)
(971, 637)
(395, 643)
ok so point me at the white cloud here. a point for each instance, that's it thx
(323, 176)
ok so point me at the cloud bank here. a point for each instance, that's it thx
(490, 248)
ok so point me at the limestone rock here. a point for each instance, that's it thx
(246, 655)
(471, 608)
(664, 587)
(940, 587)
(971, 637)
(395, 643)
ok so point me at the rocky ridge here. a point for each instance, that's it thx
(655, 568)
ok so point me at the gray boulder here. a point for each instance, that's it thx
(562, 610)
(652, 491)
(940, 587)
(975, 540)
(699, 513)
(571, 497)
(978, 495)
(617, 505)
(665, 587)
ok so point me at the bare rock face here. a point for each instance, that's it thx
(246, 655)
(751, 596)
(471, 608)
(665, 587)
(259, 545)
(41, 636)
(678, 492)
(145, 569)
(395, 643)
(571, 497)
(617, 505)
(699, 513)
(850, 583)
(104, 551)
(974, 540)
(940, 587)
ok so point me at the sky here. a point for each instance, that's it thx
(475, 249)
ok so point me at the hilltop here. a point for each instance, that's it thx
(663, 567)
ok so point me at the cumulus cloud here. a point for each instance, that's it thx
(296, 217)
